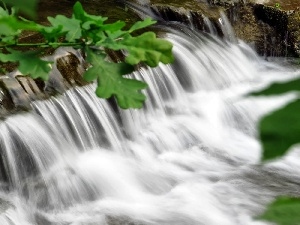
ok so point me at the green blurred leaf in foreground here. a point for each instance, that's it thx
(284, 211)
(28, 7)
(280, 130)
(280, 88)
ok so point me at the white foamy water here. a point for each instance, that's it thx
(189, 157)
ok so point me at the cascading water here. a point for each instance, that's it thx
(189, 157)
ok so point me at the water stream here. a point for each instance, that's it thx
(189, 157)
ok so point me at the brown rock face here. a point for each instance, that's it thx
(272, 28)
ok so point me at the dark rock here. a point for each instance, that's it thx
(226, 2)
(272, 31)
(294, 31)
(71, 68)
(14, 96)
(286, 25)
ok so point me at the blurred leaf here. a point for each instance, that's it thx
(29, 7)
(112, 83)
(280, 88)
(11, 27)
(80, 14)
(4, 13)
(52, 33)
(113, 27)
(29, 63)
(280, 130)
(284, 211)
(142, 24)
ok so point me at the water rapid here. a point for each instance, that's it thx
(189, 157)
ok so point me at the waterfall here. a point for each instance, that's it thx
(190, 156)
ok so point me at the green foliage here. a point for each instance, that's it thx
(145, 48)
(29, 63)
(280, 88)
(284, 211)
(25, 6)
(111, 82)
(11, 27)
(92, 34)
(70, 27)
(280, 130)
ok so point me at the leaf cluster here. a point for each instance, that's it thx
(92, 34)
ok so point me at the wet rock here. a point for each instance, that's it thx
(71, 69)
(272, 16)
(195, 17)
(226, 2)
(171, 13)
(294, 31)
(30, 87)
(13, 94)
(285, 23)
(264, 38)
(271, 30)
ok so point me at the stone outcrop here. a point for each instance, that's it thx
(273, 29)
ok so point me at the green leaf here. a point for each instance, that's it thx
(100, 33)
(52, 33)
(71, 26)
(283, 211)
(280, 88)
(142, 24)
(113, 27)
(80, 14)
(29, 7)
(144, 48)
(280, 130)
(112, 83)
(4, 13)
(29, 63)
(10, 26)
